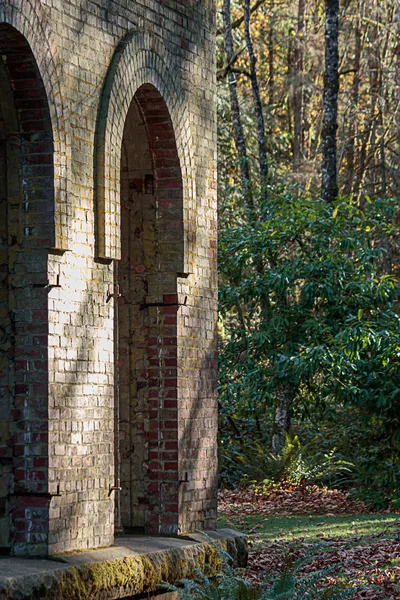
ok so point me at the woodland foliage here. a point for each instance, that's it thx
(309, 180)
(289, 44)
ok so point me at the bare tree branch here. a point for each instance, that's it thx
(237, 23)
(222, 73)
(262, 144)
(238, 132)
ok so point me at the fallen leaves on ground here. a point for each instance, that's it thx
(373, 567)
(306, 500)
(370, 564)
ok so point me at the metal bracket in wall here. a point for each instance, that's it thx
(55, 285)
(47, 285)
(185, 480)
(145, 305)
(38, 494)
(115, 488)
(116, 293)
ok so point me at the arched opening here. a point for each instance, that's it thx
(26, 222)
(146, 318)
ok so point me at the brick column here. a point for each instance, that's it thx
(30, 216)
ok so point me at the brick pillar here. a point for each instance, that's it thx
(29, 181)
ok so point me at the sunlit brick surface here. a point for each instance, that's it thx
(69, 73)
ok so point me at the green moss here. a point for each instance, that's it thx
(137, 574)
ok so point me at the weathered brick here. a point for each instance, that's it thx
(143, 218)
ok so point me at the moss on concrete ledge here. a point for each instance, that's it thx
(135, 574)
(135, 566)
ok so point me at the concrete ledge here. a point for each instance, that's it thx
(135, 565)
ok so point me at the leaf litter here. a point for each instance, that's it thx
(370, 564)
(302, 500)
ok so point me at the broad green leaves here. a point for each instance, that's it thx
(308, 300)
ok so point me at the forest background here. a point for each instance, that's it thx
(309, 182)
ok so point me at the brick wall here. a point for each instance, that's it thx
(146, 350)
(83, 69)
(6, 341)
(28, 230)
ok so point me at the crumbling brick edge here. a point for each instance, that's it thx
(119, 571)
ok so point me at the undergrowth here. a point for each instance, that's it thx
(289, 585)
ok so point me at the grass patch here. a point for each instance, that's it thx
(312, 528)
(360, 550)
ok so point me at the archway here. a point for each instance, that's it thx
(146, 318)
(26, 232)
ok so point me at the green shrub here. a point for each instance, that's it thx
(294, 465)
(289, 585)
(309, 305)
(215, 585)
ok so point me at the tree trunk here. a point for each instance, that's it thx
(352, 130)
(271, 57)
(282, 419)
(397, 50)
(382, 154)
(262, 144)
(369, 180)
(362, 161)
(298, 86)
(236, 118)
(331, 90)
(290, 77)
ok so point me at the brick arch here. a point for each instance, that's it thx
(27, 170)
(139, 59)
(27, 18)
(146, 316)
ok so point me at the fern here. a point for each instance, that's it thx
(213, 585)
(294, 464)
(226, 585)
(288, 586)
